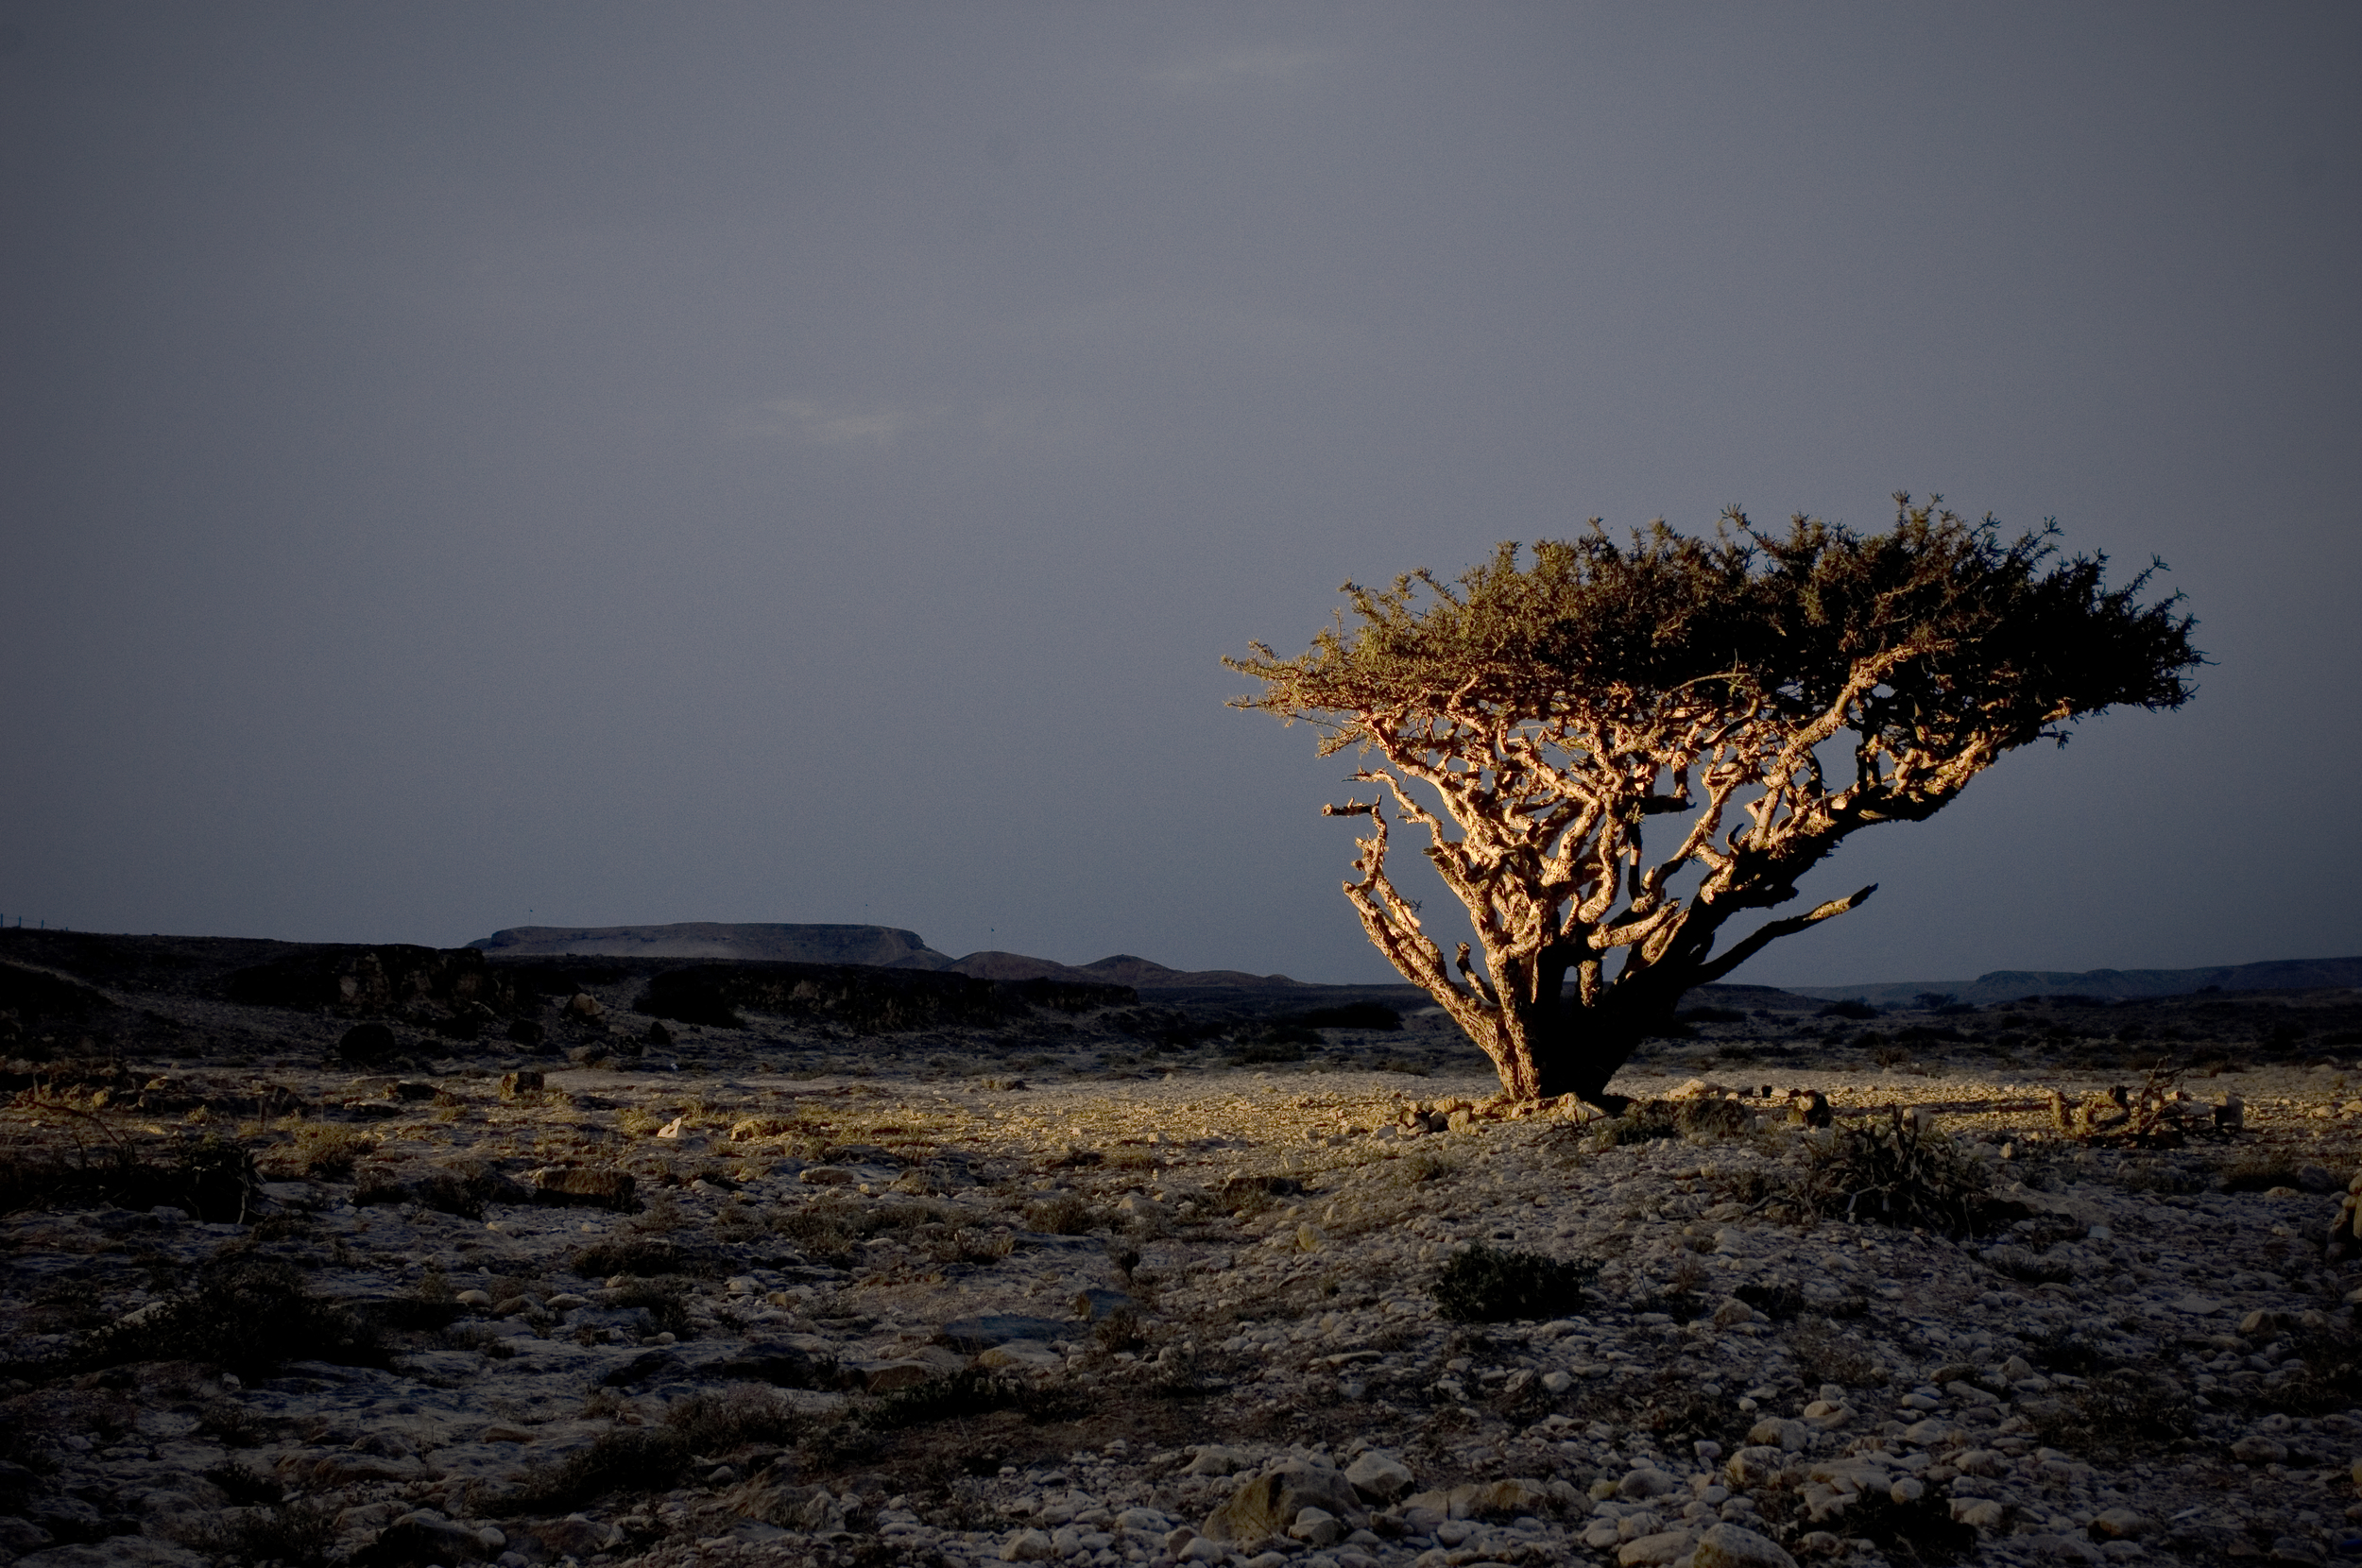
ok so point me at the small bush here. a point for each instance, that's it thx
(1824, 1355)
(641, 1254)
(1486, 1284)
(2259, 1170)
(666, 1301)
(962, 1396)
(1643, 1121)
(1246, 1194)
(1852, 1008)
(327, 1152)
(1061, 1214)
(1894, 1174)
(1921, 1531)
(718, 1422)
(297, 1533)
(244, 1485)
(1269, 1049)
(246, 1314)
(1649, 1121)
(627, 1459)
(1376, 1015)
(2125, 1411)
(1120, 1330)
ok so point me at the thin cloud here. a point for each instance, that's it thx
(1240, 68)
(806, 419)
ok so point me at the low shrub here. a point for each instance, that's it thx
(244, 1485)
(1823, 1354)
(1893, 1174)
(1061, 1214)
(2124, 1411)
(1120, 1330)
(641, 1254)
(1850, 1008)
(327, 1152)
(666, 1300)
(1919, 1532)
(2259, 1170)
(1376, 1015)
(297, 1533)
(1487, 1284)
(1643, 1121)
(705, 1425)
(1274, 1046)
(247, 1314)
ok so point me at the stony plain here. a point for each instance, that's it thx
(1149, 1280)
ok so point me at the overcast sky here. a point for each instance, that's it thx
(469, 466)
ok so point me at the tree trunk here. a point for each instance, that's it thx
(1570, 1049)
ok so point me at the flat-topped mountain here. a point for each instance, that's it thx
(882, 947)
(2008, 985)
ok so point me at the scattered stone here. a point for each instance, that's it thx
(1266, 1505)
(1728, 1545)
(1381, 1477)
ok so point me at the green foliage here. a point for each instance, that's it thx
(1487, 1284)
(1551, 702)
(1974, 637)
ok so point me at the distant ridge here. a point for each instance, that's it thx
(885, 946)
(2008, 985)
(1120, 969)
(892, 947)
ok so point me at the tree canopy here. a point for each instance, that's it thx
(1548, 707)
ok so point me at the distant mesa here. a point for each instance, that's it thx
(892, 947)
(2008, 985)
(882, 946)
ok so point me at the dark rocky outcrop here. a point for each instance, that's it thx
(367, 980)
(865, 1001)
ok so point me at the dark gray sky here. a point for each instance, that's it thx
(467, 466)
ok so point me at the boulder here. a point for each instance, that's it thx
(517, 1085)
(1380, 1476)
(1653, 1551)
(365, 1044)
(971, 1335)
(1777, 1432)
(1728, 1545)
(428, 1537)
(1266, 1505)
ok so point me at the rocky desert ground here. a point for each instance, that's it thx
(387, 1256)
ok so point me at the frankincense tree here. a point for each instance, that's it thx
(1531, 718)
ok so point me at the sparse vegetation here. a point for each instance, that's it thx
(1892, 1172)
(247, 1314)
(1487, 1284)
